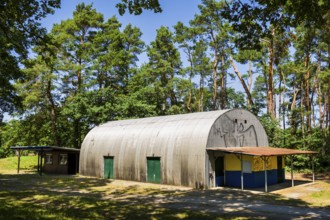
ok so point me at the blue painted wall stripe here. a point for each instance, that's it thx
(251, 180)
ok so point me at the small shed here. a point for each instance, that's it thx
(188, 149)
(52, 159)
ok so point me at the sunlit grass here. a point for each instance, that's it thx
(27, 163)
(320, 198)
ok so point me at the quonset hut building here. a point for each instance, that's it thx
(203, 150)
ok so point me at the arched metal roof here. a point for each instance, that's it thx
(179, 140)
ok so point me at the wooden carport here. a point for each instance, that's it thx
(41, 150)
(265, 153)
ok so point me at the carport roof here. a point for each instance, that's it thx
(261, 151)
(44, 148)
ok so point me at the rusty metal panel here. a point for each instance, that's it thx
(262, 151)
(179, 140)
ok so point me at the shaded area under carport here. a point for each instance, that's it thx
(264, 153)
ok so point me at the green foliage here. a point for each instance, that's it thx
(31, 131)
(164, 69)
(20, 28)
(136, 6)
(85, 82)
(209, 26)
(272, 130)
(235, 99)
(252, 19)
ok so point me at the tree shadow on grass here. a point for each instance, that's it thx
(54, 184)
(28, 196)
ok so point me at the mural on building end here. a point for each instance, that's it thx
(237, 133)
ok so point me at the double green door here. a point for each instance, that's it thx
(153, 170)
(108, 167)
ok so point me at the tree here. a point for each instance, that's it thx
(114, 66)
(141, 99)
(252, 19)
(243, 57)
(38, 92)
(20, 29)
(136, 6)
(165, 66)
(305, 47)
(215, 30)
(75, 39)
(202, 67)
(199, 64)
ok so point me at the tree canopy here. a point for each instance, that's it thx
(20, 28)
(255, 19)
(137, 6)
(272, 58)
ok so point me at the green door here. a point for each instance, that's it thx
(108, 167)
(153, 170)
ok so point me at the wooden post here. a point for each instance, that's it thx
(242, 177)
(41, 162)
(19, 160)
(38, 162)
(265, 167)
(292, 181)
(313, 173)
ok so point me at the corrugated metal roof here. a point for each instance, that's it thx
(262, 151)
(179, 140)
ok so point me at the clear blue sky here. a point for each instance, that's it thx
(148, 22)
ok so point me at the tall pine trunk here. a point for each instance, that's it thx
(53, 114)
(201, 94)
(215, 84)
(223, 100)
(270, 92)
(307, 101)
(245, 87)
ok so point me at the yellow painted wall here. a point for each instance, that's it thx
(258, 163)
(233, 163)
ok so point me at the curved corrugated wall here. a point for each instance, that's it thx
(179, 140)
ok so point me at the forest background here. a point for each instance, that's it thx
(87, 70)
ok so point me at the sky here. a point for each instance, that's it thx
(148, 21)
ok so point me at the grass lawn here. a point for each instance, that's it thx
(27, 164)
(320, 198)
(30, 196)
